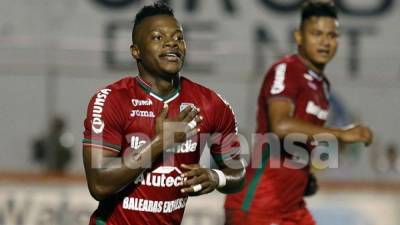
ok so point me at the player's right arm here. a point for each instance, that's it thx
(282, 123)
(107, 171)
(282, 86)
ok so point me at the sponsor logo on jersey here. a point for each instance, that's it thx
(145, 205)
(142, 113)
(317, 111)
(136, 143)
(139, 102)
(188, 146)
(161, 177)
(184, 105)
(97, 121)
(279, 82)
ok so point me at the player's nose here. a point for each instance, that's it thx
(171, 43)
(325, 41)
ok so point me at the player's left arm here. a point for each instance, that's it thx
(225, 149)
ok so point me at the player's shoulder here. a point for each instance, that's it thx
(292, 62)
(290, 59)
(215, 108)
(202, 91)
(121, 85)
(287, 66)
(118, 87)
(114, 92)
(199, 89)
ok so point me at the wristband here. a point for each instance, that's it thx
(221, 178)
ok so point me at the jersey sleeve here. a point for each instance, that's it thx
(281, 81)
(104, 123)
(225, 143)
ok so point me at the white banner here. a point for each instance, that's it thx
(35, 204)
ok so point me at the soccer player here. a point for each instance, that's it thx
(144, 135)
(293, 99)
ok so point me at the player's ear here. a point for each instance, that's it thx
(135, 52)
(298, 37)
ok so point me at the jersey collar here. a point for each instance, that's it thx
(310, 71)
(314, 74)
(147, 88)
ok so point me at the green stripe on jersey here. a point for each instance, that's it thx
(254, 182)
(99, 221)
(97, 142)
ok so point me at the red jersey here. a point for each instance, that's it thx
(122, 116)
(279, 191)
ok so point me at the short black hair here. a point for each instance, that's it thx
(319, 8)
(158, 8)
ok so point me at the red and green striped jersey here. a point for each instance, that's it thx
(278, 191)
(121, 117)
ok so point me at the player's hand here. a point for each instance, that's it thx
(312, 186)
(358, 133)
(179, 129)
(198, 180)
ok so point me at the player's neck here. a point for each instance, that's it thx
(317, 68)
(160, 86)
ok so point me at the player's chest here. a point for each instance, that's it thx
(141, 124)
(141, 113)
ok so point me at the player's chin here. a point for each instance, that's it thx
(322, 59)
(172, 69)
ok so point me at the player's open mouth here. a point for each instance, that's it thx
(171, 56)
(323, 52)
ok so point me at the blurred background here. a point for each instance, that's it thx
(55, 54)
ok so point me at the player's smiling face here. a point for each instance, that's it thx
(160, 46)
(318, 39)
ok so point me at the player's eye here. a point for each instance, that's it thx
(333, 35)
(316, 33)
(179, 38)
(156, 37)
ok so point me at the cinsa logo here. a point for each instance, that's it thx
(161, 177)
(138, 102)
(97, 122)
(317, 111)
